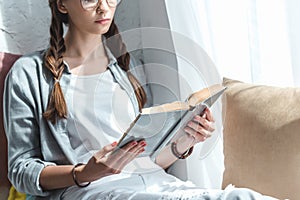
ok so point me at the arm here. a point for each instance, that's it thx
(28, 171)
(22, 131)
(107, 161)
(198, 130)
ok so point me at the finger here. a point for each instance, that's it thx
(198, 129)
(127, 151)
(129, 146)
(198, 136)
(209, 115)
(122, 162)
(137, 150)
(117, 157)
(122, 159)
(133, 152)
(194, 125)
(105, 150)
(132, 155)
(121, 151)
(208, 125)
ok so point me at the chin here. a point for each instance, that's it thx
(104, 30)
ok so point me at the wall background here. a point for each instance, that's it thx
(23, 25)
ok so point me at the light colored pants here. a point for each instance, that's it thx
(157, 186)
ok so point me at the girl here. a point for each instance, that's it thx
(53, 124)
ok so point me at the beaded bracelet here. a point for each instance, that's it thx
(75, 178)
(186, 154)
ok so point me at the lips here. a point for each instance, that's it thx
(102, 21)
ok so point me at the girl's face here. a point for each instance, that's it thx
(89, 16)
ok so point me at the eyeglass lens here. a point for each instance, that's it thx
(92, 4)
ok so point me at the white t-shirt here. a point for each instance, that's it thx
(99, 113)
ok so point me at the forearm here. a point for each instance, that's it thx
(166, 158)
(103, 163)
(57, 177)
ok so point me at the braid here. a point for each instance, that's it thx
(118, 49)
(54, 62)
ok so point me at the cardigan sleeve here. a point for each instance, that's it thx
(22, 130)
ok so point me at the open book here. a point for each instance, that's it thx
(159, 124)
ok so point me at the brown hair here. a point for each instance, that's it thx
(53, 60)
(118, 49)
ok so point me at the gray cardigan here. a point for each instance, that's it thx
(34, 142)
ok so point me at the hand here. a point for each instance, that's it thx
(201, 127)
(109, 160)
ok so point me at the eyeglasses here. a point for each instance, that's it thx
(92, 4)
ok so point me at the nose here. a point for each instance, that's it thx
(102, 6)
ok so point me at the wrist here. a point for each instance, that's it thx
(184, 143)
(178, 155)
(78, 176)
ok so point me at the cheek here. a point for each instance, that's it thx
(113, 10)
(79, 19)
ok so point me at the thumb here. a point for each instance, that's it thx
(209, 115)
(105, 150)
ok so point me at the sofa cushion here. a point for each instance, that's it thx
(262, 138)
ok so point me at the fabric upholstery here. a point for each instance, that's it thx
(261, 138)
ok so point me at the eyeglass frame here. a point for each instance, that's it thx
(98, 4)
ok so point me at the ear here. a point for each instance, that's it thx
(61, 7)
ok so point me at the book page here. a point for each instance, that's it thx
(193, 100)
(199, 96)
(177, 105)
